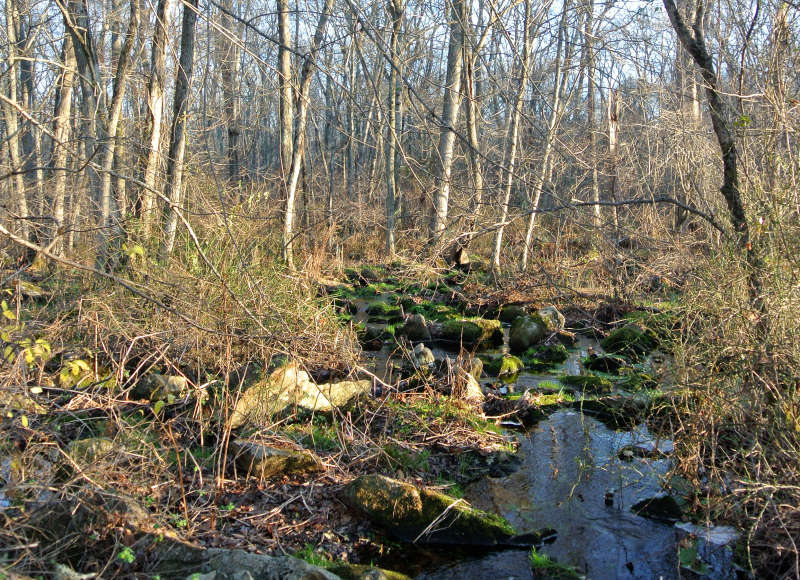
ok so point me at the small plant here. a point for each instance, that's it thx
(545, 567)
(126, 555)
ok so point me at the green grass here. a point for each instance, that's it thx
(310, 555)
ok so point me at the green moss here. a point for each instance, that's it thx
(630, 340)
(463, 332)
(431, 311)
(637, 381)
(380, 311)
(347, 571)
(588, 383)
(501, 366)
(544, 356)
(608, 363)
(511, 312)
(545, 568)
(407, 512)
(407, 459)
(492, 332)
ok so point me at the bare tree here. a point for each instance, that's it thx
(451, 103)
(556, 110)
(512, 135)
(155, 109)
(62, 129)
(285, 90)
(694, 42)
(108, 206)
(180, 112)
(306, 74)
(395, 9)
(11, 117)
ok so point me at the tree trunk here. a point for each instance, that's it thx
(180, 113)
(10, 115)
(61, 135)
(612, 117)
(229, 65)
(109, 227)
(694, 42)
(285, 90)
(588, 40)
(559, 82)
(450, 105)
(395, 9)
(155, 106)
(512, 136)
(309, 62)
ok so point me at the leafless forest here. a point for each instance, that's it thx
(194, 188)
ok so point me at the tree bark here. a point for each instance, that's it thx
(450, 105)
(309, 62)
(180, 112)
(395, 9)
(109, 226)
(229, 65)
(11, 117)
(155, 111)
(285, 90)
(61, 135)
(512, 136)
(588, 40)
(559, 83)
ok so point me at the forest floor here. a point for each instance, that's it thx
(151, 399)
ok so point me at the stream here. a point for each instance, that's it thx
(576, 479)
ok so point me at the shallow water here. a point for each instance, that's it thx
(569, 466)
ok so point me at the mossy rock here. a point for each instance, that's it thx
(492, 330)
(630, 340)
(454, 333)
(544, 356)
(407, 513)
(415, 328)
(526, 331)
(432, 311)
(604, 363)
(265, 461)
(587, 383)
(371, 337)
(553, 319)
(347, 571)
(510, 312)
(382, 312)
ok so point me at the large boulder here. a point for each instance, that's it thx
(526, 331)
(415, 329)
(417, 514)
(510, 312)
(630, 340)
(264, 461)
(289, 388)
(468, 333)
(554, 320)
